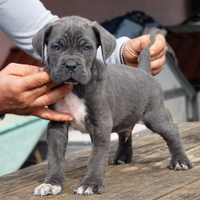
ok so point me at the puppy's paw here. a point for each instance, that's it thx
(88, 189)
(180, 164)
(122, 157)
(45, 189)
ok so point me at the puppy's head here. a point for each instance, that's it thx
(71, 44)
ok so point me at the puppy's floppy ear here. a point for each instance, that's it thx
(39, 40)
(105, 39)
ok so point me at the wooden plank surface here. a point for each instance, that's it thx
(146, 177)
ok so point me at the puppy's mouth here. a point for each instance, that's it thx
(71, 81)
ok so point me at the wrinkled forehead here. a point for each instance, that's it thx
(71, 30)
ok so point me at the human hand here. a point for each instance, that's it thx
(158, 50)
(25, 91)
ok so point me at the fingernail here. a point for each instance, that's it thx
(71, 119)
(69, 86)
(152, 52)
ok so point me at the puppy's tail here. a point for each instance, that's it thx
(145, 57)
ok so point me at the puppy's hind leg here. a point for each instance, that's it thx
(158, 121)
(124, 150)
(57, 138)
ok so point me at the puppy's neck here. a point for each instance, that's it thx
(97, 70)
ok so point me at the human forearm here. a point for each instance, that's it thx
(22, 19)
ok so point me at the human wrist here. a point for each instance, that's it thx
(122, 60)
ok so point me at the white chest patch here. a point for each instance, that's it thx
(74, 106)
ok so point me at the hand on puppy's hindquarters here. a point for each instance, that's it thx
(158, 50)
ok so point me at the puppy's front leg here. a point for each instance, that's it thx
(57, 137)
(94, 180)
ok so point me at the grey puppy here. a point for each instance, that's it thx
(106, 98)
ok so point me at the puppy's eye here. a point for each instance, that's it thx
(56, 47)
(87, 47)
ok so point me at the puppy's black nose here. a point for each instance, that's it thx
(71, 65)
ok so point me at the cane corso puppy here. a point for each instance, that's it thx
(106, 98)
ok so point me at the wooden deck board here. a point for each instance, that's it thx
(146, 177)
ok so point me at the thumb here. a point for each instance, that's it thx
(144, 41)
(138, 44)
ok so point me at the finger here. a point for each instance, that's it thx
(144, 42)
(158, 62)
(21, 69)
(36, 80)
(37, 92)
(157, 65)
(160, 54)
(48, 114)
(158, 45)
(131, 52)
(136, 45)
(53, 96)
(157, 70)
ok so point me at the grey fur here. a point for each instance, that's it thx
(116, 96)
(145, 62)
